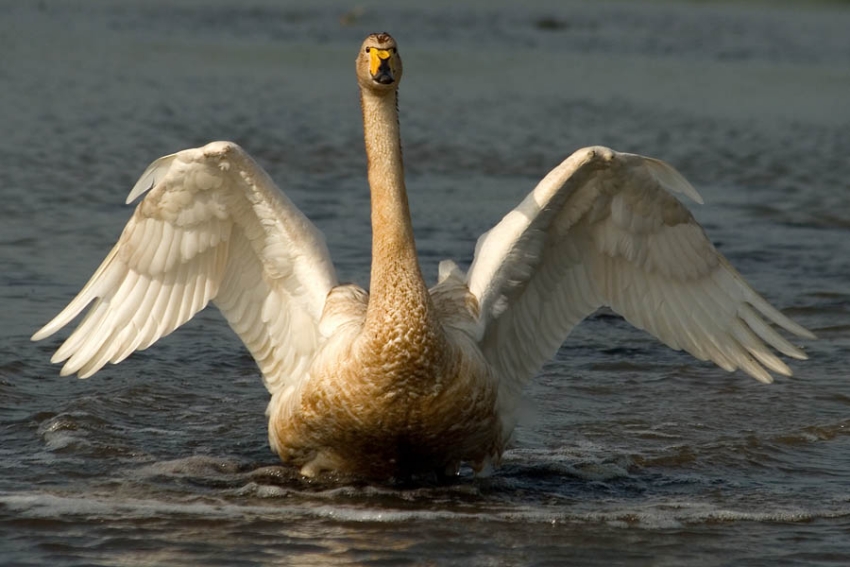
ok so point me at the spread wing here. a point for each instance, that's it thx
(213, 227)
(603, 229)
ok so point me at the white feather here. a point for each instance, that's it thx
(601, 229)
(174, 256)
(617, 238)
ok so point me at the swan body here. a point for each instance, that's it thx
(406, 379)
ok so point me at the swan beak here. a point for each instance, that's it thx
(379, 66)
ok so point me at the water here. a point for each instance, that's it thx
(631, 454)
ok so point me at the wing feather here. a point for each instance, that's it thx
(213, 227)
(602, 229)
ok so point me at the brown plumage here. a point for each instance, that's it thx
(407, 379)
(405, 399)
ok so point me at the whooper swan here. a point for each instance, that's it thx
(405, 379)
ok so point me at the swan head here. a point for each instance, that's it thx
(379, 64)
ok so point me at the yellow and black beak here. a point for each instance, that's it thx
(380, 66)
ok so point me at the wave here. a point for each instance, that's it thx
(654, 514)
(554, 490)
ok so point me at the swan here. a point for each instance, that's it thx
(404, 379)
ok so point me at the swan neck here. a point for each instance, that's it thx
(396, 279)
(383, 151)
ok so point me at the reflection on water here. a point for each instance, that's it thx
(630, 453)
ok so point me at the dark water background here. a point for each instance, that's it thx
(632, 454)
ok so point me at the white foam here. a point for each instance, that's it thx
(643, 515)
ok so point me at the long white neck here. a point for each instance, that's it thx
(396, 280)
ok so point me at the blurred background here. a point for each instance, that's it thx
(631, 453)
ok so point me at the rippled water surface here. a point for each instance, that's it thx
(631, 454)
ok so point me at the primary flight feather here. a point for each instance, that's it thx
(406, 379)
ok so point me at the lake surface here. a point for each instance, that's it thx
(631, 454)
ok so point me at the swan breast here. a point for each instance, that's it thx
(387, 406)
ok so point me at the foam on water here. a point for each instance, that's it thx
(280, 505)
